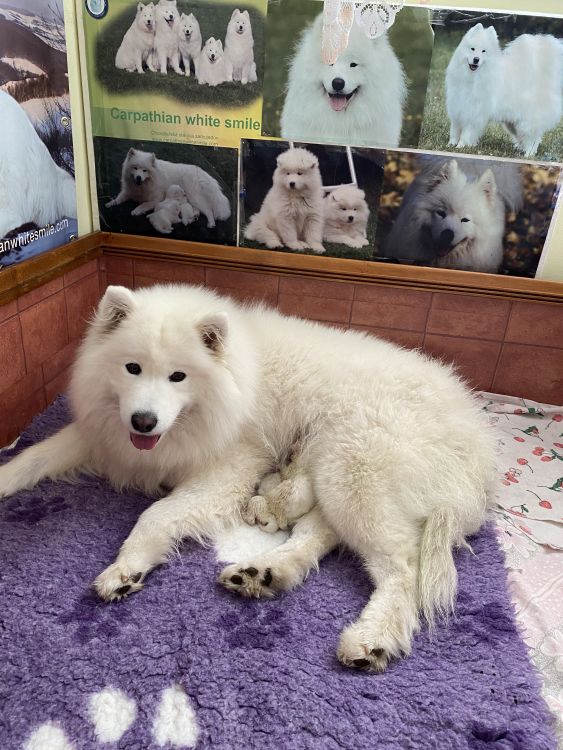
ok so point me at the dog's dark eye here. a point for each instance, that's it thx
(177, 377)
(353, 65)
(133, 368)
(299, 173)
(465, 219)
(483, 51)
(441, 214)
(472, 49)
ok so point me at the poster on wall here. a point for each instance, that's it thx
(373, 95)
(37, 189)
(177, 71)
(310, 198)
(469, 214)
(495, 85)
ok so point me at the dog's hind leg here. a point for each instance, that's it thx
(286, 566)
(197, 510)
(59, 455)
(314, 235)
(455, 133)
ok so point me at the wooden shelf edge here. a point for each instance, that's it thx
(333, 269)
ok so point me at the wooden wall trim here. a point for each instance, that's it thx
(16, 280)
(335, 269)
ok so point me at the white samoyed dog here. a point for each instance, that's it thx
(520, 87)
(214, 66)
(167, 212)
(453, 214)
(190, 41)
(239, 47)
(145, 179)
(358, 100)
(166, 49)
(138, 42)
(292, 212)
(346, 216)
(179, 387)
(33, 189)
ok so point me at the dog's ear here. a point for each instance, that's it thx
(213, 329)
(116, 304)
(183, 16)
(246, 13)
(488, 184)
(447, 171)
(219, 44)
(477, 27)
(235, 12)
(153, 159)
(492, 32)
(362, 193)
(131, 152)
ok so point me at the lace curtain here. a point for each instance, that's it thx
(339, 15)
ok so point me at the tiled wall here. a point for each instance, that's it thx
(39, 333)
(513, 347)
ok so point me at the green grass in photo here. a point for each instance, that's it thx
(213, 19)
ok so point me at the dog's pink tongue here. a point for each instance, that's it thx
(144, 442)
(338, 102)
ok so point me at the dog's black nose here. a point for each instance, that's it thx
(138, 180)
(291, 184)
(446, 237)
(338, 84)
(144, 421)
(475, 61)
(350, 219)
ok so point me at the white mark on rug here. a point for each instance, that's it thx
(48, 737)
(175, 721)
(244, 542)
(111, 713)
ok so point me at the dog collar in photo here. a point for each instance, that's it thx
(339, 15)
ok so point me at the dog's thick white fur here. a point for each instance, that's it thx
(167, 212)
(292, 212)
(175, 386)
(346, 216)
(190, 41)
(453, 214)
(138, 42)
(358, 100)
(520, 86)
(166, 50)
(33, 189)
(283, 496)
(145, 179)
(239, 47)
(214, 66)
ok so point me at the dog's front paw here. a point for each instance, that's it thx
(117, 582)
(317, 248)
(298, 245)
(110, 204)
(257, 512)
(360, 651)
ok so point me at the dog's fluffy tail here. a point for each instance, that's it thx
(221, 205)
(437, 583)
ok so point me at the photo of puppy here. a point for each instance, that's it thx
(496, 86)
(214, 66)
(167, 212)
(190, 42)
(310, 198)
(467, 214)
(239, 47)
(346, 215)
(138, 42)
(292, 212)
(133, 181)
(363, 98)
(166, 45)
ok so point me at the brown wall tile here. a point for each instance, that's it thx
(12, 359)
(536, 323)
(305, 287)
(408, 339)
(59, 361)
(116, 264)
(259, 284)
(316, 308)
(475, 359)
(468, 316)
(167, 271)
(76, 274)
(57, 385)
(42, 292)
(44, 329)
(81, 300)
(534, 372)
(8, 310)
(118, 279)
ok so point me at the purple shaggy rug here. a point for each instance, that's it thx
(185, 664)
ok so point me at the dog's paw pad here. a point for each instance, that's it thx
(359, 652)
(250, 581)
(115, 583)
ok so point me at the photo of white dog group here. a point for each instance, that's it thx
(489, 216)
(162, 189)
(309, 198)
(201, 51)
(495, 86)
